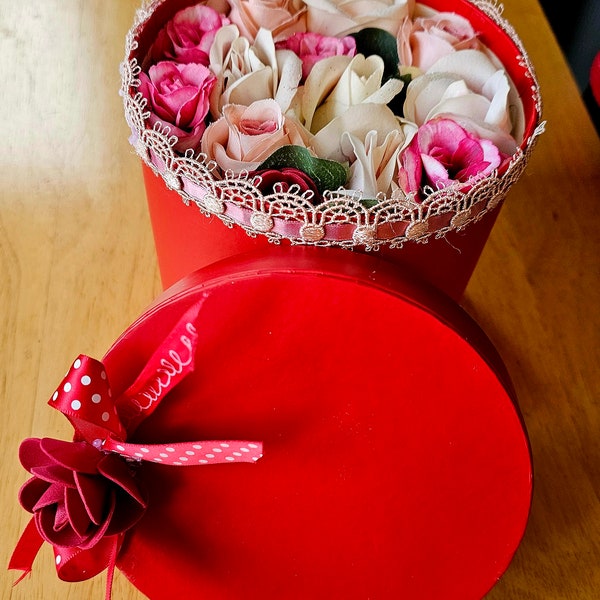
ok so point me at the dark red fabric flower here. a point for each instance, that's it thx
(286, 177)
(78, 494)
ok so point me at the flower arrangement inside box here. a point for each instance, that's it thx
(349, 124)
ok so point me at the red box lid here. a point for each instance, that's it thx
(396, 463)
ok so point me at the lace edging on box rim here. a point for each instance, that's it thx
(341, 219)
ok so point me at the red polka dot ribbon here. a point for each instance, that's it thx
(84, 397)
(74, 484)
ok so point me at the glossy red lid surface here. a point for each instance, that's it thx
(395, 461)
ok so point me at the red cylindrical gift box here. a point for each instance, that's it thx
(442, 243)
(396, 462)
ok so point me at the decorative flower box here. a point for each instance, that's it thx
(391, 460)
(440, 237)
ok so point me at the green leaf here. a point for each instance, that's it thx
(369, 202)
(373, 40)
(407, 78)
(327, 174)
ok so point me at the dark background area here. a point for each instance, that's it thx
(576, 24)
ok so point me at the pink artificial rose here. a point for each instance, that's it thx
(188, 36)
(424, 40)
(313, 47)
(178, 96)
(246, 135)
(267, 179)
(78, 494)
(281, 17)
(441, 153)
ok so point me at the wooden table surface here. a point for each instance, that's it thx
(78, 266)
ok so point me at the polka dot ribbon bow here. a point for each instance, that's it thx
(83, 494)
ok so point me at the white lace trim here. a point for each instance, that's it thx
(341, 220)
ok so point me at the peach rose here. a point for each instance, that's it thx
(282, 17)
(424, 40)
(246, 135)
(341, 17)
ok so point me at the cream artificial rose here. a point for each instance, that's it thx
(374, 159)
(248, 72)
(358, 120)
(468, 87)
(341, 17)
(246, 135)
(339, 82)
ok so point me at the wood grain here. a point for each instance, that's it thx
(78, 266)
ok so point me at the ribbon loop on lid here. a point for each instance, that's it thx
(85, 398)
(83, 494)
